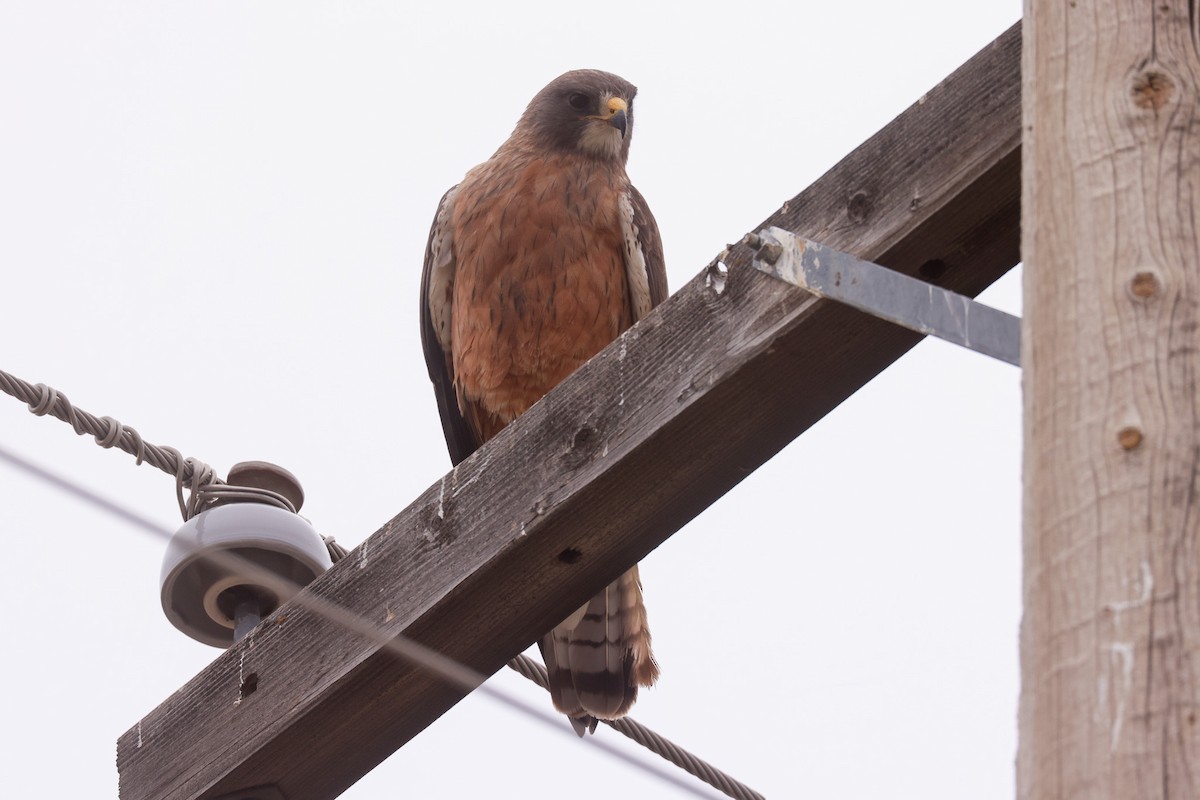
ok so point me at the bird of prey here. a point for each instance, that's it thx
(540, 257)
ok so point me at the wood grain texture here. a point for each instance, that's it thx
(1110, 640)
(650, 432)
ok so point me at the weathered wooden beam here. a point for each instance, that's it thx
(1110, 637)
(621, 455)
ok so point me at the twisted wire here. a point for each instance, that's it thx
(205, 488)
(108, 432)
(46, 400)
(527, 667)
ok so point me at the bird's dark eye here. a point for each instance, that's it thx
(579, 101)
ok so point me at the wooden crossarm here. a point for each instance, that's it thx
(621, 455)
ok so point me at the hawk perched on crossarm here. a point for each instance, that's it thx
(543, 255)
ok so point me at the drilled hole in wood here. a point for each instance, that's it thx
(716, 276)
(570, 555)
(932, 270)
(249, 685)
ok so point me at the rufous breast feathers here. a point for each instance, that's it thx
(541, 284)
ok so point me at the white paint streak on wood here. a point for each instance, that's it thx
(457, 488)
(1125, 654)
(1144, 597)
(241, 677)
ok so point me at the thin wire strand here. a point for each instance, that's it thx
(527, 667)
(446, 668)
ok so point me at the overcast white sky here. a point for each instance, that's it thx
(212, 221)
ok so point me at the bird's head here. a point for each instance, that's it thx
(585, 111)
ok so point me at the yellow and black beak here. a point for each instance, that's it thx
(617, 114)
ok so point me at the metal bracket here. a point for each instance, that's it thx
(887, 294)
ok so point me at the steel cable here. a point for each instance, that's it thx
(205, 488)
(527, 667)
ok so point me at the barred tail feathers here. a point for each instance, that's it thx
(599, 656)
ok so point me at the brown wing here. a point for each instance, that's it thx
(437, 292)
(651, 245)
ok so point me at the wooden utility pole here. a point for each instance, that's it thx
(1110, 641)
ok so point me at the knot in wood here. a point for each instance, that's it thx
(1152, 90)
(1144, 285)
(582, 436)
(432, 528)
(584, 443)
(859, 207)
(1129, 437)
